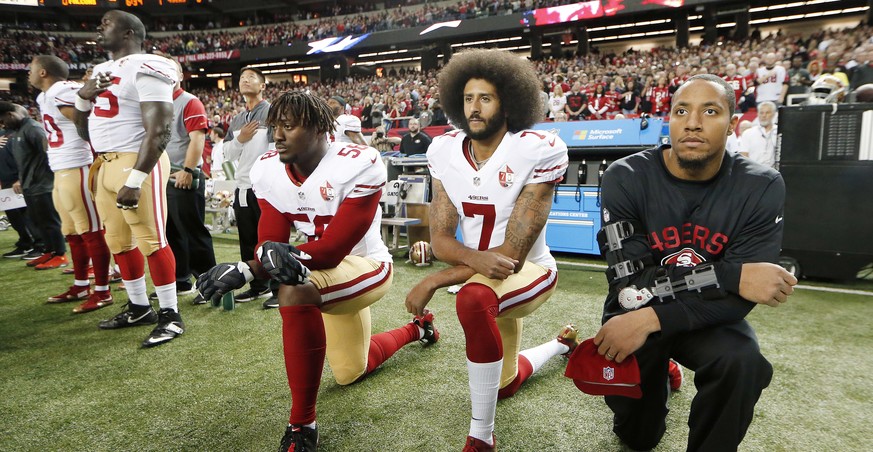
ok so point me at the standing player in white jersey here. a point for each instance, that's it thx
(498, 178)
(127, 108)
(330, 192)
(348, 127)
(70, 157)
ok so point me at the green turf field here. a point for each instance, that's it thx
(67, 386)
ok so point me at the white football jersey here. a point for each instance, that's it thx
(66, 149)
(115, 124)
(772, 88)
(485, 197)
(346, 171)
(344, 123)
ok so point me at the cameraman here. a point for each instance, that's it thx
(383, 143)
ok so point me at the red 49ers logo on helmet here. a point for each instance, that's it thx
(686, 257)
(506, 175)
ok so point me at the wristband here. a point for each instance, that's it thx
(246, 271)
(135, 179)
(188, 170)
(83, 105)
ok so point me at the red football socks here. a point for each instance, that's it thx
(131, 264)
(162, 267)
(99, 253)
(477, 310)
(525, 370)
(384, 345)
(79, 254)
(304, 345)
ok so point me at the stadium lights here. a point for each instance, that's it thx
(629, 25)
(278, 63)
(289, 70)
(789, 5)
(634, 35)
(223, 74)
(395, 60)
(488, 41)
(387, 52)
(832, 12)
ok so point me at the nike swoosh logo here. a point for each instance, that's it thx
(137, 319)
(126, 169)
(374, 160)
(270, 257)
(302, 255)
(778, 219)
(64, 175)
(230, 268)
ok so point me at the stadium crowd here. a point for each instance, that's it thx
(631, 83)
(634, 82)
(139, 157)
(311, 25)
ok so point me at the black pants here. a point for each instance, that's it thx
(41, 210)
(28, 236)
(186, 232)
(729, 373)
(247, 227)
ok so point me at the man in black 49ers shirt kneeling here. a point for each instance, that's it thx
(691, 236)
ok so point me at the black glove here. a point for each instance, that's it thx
(281, 261)
(223, 278)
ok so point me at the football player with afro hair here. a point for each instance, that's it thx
(514, 79)
(494, 179)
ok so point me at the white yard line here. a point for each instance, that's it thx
(834, 290)
(579, 264)
(799, 286)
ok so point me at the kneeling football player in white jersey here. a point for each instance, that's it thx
(495, 179)
(330, 192)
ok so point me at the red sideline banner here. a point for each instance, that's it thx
(209, 56)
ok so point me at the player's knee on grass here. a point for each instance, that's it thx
(347, 376)
(639, 423)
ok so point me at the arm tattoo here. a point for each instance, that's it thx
(526, 221)
(164, 138)
(443, 215)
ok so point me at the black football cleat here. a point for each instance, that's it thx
(299, 438)
(252, 294)
(169, 326)
(132, 315)
(425, 322)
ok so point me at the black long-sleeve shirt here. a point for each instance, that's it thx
(29, 148)
(732, 219)
(8, 166)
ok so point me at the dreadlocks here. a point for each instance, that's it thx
(302, 109)
(517, 83)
